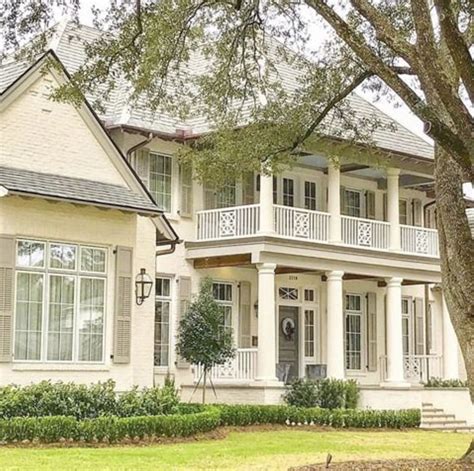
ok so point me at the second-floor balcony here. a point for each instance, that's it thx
(316, 226)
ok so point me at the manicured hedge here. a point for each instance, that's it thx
(358, 418)
(108, 429)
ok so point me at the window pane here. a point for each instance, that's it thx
(162, 325)
(29, 313)
(353, 332)
(61, 317)
(290, 294)
(288, 192)
(310, 195)
(62, 256)
(30, 254)
(91, 319)
(160, 180)
(226, 196)
(93, 259)
(353, 201)
(162, 287)
(309, 333)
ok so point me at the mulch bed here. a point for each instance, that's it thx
(389, 465)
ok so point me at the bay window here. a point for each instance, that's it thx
(60, 302)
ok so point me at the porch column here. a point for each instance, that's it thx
(450, 346)
(393, 209)
(395, 375)
(266, 355)
(335, 325)
(266, 204)
(334, 203)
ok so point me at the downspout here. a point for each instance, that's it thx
(425, 207)
(138, 146)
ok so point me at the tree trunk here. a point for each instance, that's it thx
(204, 386)
(457, 259)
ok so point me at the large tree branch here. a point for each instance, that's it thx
(460, 149)
(458, 48)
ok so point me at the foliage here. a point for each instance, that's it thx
(445, 383)
(84, 402)
(326, 393)
(202, 335)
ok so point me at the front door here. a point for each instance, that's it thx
(288, 333)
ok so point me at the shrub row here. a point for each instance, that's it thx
(85, 402)
(326, 393)
(445, 383)
(107, 428)
(357, 418)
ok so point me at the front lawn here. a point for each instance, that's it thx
(265, 449)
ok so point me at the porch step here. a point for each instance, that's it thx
(438, 416)
(444, 423)
(434, 418)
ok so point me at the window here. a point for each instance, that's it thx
(309, 295)
(289, 294)
(309, 324)
(60, 302)
(406, 327)
(288, 192)
(310, 195)
(162, 321)
(186, 184)
(226, 196)
(223, 294)
(353, 332)
(403, 209)
(352, 203)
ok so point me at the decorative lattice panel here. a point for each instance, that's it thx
(421, 241)
(412, 367)
(301, 224)
(228, 223)
(364, 233)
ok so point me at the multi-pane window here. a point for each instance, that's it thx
(309, 324)
(403, 211)
(162, 320)
(160, 180)
(223, 294)
(289, 294)
(310, 195)
(226, 196)
(309, 295)
(288, 192)
(406, 326)
(353, 332)
(60, 302)
(352, 199)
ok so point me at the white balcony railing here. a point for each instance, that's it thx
(367, 233)
(242, 367)
(416, 368)
(419, 240)
(301, 223)
(225, 223)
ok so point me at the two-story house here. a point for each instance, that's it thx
(328, 269)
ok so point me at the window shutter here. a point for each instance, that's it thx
(248, 188)
(419, 327)
(7, 269)
(210, 200)
(417, 212)
(141, 164)
(123, 305)
(370, 204)
(184, 294)
(343, 200)
(186, 187)
(371, 331)
(244, 321)
(384, 207)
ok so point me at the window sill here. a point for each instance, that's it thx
(161, 370)
(356, 374)
(58, 367)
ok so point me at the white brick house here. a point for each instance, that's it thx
(323, 270)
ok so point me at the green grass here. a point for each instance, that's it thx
(272, 450)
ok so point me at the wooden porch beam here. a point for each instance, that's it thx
(224, 261)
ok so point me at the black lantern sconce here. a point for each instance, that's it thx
(143, 285)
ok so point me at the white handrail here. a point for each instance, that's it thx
(419, 240)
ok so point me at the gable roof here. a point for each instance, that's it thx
(131, 196)
(68, 43)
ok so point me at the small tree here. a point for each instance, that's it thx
(202, 337)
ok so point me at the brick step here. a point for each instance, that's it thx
(432, 410)
(438, 416)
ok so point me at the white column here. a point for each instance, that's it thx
(335, 325)
(334, 203)
(393, 209)
(266, 355)
(450, 346)
(266, 204)
(395, 375)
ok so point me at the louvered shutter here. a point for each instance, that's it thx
(123, 304)
(186, 188)
(248, 188)
(343, 200)
(7, 269)
(371, 331)
(419, 327)
(384, 207)
(184, 295)
(370, 204)
(417, 212)
(244, 311)
(141, 164)
(210, 200)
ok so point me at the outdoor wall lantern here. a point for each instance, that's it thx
(143, 285)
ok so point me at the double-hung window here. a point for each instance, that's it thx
(406, 326)
(310, 195)
(162, 320)
(288, 192)
(223, 294)
(353, 203)
(60, 302)
(353, 332)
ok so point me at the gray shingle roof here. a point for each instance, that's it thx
(69, 44)
(20, 181)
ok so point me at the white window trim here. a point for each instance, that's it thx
(46, 271)
(411, 326)
(234, 304)
(361, 193)
(171, 299)
(363, 336)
